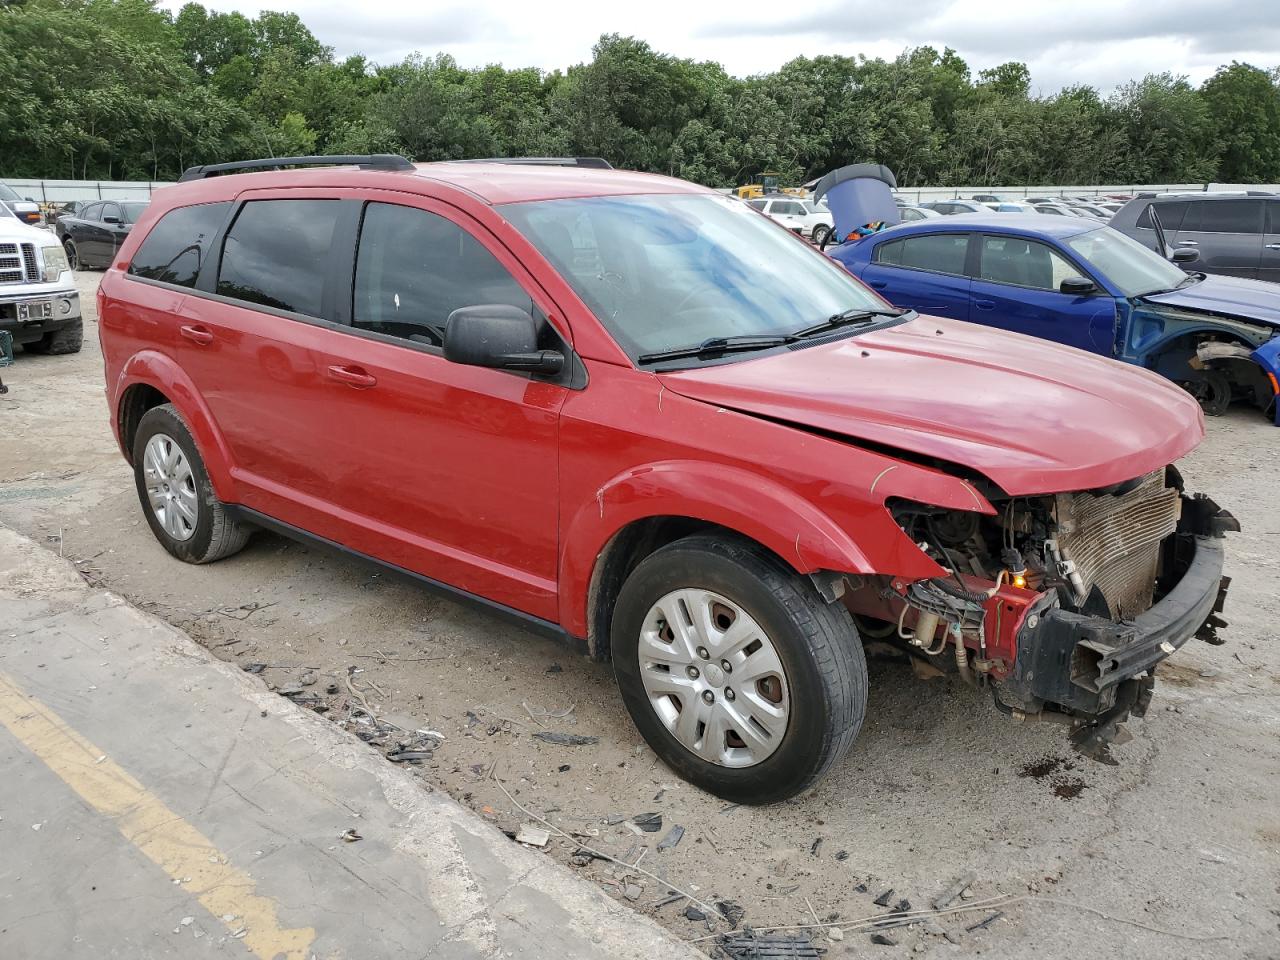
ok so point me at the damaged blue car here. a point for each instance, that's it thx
(1088, 286)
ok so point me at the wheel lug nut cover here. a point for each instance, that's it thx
(702, 652)
(708, 696)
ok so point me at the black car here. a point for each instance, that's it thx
(24, 208)
(92, 237)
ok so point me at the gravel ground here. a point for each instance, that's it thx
(1174, 851)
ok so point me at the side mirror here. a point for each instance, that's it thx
(498, 335)
(110, 219)
(1185, 255)
(1078, 286)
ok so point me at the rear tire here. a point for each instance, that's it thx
(821, 233)
(795, 660)
(177, 498)
(68, 339)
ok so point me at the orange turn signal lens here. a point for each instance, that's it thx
(1275, 386)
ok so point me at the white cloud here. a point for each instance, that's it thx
(1098, 42)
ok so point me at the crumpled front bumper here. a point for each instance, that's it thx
(1096, 670)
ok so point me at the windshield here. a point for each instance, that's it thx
(7, 194)
(132, 211)
(666, 271)
(1132, 268)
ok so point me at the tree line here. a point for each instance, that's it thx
(121, 89)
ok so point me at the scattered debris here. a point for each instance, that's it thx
(632, 891)
(694, 914)
(534, 836)
(350, 836)
(555, 668)
(835, 933)
(815, 847)
(673, 837)
(884, 898)
(953, 892)
(671, 898)
(648, 822)
(902, 906)
(773, 946)
(860, 888)
(884, 940)
(253, 667)
(564, 768)
(401, 755)
(731, 911)
(565, 739)
(983, 924)
(842, 855)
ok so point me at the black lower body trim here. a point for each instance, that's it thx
(534, 624)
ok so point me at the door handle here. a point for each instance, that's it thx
(198, 334)
(1188, 243)
(879, 284)
(1273, 246)
(985, 304)
(352, 377)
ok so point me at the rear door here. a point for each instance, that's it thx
(1017, 288)
(1269, 265)
(1228, 234)
(925, 272)
(89, 235)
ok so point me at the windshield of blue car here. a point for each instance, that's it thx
(668, 271)
(1132, 268)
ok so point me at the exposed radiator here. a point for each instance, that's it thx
(1115, 541)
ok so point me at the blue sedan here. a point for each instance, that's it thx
(1076, 282)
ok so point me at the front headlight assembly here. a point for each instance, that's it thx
(55, 262)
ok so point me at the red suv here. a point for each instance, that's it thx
(632, 412)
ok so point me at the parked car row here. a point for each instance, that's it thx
(655, 425)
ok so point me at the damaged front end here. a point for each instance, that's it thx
(1063, 604)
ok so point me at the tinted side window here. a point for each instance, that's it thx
(1025, 263)
(110, 210)
(176, 246)
(1171, 213)
(1226, 216)
(939, 252)
(758, 204)
(1273, 216)
(92, 212)
(414, 268)
(276, 254)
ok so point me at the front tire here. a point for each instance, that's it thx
(177, 498)
(68, 339)
(821, 233)
(73, 255)
(735, 671)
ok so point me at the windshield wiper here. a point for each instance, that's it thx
(845, 318)
(715, 346)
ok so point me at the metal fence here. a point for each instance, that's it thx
(64, 191)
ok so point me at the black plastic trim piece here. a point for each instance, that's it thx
(371, 161)
(534, 624)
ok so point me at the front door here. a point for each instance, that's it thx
(1228, 234)
(445, 469)
(1017, 287)
(1269, 265)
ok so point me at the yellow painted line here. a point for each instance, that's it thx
(170, 842)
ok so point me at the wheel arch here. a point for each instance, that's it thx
(644, 509)
(150, 379)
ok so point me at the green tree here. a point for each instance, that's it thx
(1244, 103)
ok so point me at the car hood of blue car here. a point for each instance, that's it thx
(1255, 300)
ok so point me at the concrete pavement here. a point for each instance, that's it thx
(156, 802)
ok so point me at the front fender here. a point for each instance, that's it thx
(730, 496)
(155, 369)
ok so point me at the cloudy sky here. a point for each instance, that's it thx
(1100, 42)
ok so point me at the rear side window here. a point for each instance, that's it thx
(939, 252)
(758, 204)
(176, 246)
(92, 212)
(1273, 216)
(276, 254)
(1224, 216)
(414, 268)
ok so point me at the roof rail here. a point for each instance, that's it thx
(374, 161)
(594, 163)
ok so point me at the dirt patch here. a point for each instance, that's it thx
(1045, 767)
(1068, 788)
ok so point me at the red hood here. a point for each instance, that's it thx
(1033, 416)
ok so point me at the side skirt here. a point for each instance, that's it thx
(544, 628)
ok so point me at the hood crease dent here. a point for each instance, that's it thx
(1030, 416)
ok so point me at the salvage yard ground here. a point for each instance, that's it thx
(1181, 838)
